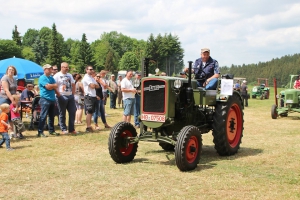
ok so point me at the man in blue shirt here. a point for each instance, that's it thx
(47, 87)
(206, 70)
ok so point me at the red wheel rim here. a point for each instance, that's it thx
(126, 147)
(234, 125)
(191, 151)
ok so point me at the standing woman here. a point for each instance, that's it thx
(79, 98)
(8, 87)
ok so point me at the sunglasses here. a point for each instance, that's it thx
(90, 69)
(98, 76)
(55, 69)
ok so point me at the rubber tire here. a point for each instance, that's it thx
(228, 117)
(254, 96)
(274, 113)
(189, 136)
(166, 146)
(119, 151)
(267, 94)
(262, 96)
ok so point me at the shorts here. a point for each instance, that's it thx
(19, 125)
(90, 104)
(79, 102)
(129, 106)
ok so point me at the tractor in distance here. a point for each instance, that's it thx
(261, 90)
(289, 99)
(175, 113)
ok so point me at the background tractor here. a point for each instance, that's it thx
(289, 100)
(175, 113)
(261, 90)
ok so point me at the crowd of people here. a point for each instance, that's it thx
(60, 93)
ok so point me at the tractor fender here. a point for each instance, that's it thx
(224, 98)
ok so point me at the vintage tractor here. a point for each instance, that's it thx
(174, 113)
(261, 91)
(289, 100)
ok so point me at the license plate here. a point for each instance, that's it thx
(153, 118)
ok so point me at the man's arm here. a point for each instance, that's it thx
(52, 86)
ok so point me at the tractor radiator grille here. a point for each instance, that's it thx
(289, 96)
(154, 96)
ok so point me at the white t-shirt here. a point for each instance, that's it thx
(126, 84)
(106, 82)
(64, 82)
(86, 81)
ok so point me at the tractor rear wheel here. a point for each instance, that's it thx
(228, 126)
(166, 146)
(274, 113)
(120, 150)
(188, 148)
(262, 96)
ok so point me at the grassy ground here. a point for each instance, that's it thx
(80, 167)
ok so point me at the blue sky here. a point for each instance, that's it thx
(237, 32)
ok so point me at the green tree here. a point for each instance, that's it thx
(129, 61)
(55, 49)
(30, 37)
(9, 49)
(39, 51)
(85, 54)
(45, 37)
(28, 54)
(16, 36)
(167, 52)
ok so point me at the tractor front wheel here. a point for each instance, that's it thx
(253, 96)
(228, 126)
(274, 113)
(120, 150)
(188, 148)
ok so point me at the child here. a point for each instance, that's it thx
(4, 126)
(16, 117)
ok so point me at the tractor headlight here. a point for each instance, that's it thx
(177, 84)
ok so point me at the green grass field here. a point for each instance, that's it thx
(80, 167)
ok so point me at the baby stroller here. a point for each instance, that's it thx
(35, 113)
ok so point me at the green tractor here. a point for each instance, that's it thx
(175, 113)
(289, 100)
(261, 91)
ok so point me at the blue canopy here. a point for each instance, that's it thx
(25, 68)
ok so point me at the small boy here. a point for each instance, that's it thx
(4, 126)
(16, 117)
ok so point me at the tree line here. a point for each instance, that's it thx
(113, 51)
(279, 68)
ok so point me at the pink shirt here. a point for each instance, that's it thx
(14, 114)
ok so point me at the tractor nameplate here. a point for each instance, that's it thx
(153, 118)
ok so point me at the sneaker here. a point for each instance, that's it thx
(41, 135)
(137, 126)
(10, 149)
(89, 130)
(65, 132)
(20, 136)
(54, 133)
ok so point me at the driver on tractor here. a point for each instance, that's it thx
(297, 83)
(206, 70)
